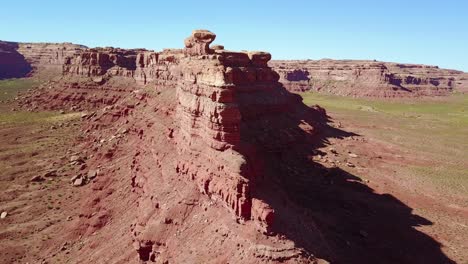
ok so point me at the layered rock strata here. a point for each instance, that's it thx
(214, 107)
(20, 59)
(367, 78)
(235, 117)
(96, 62)
(144, 66)
(227, 101)
(158, 67)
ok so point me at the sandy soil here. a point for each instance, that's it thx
(369, 205)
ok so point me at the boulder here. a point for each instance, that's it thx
(37, 178)
(92, 174)
(3, 215)
(79, 181)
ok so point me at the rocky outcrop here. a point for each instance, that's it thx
(199, 42)
(158, 67)
(180, 135)
(231, 111)
(462, 83)
(214, 107)
(48, 55)
(366, 78)
(144, 66)
(197, 140)
(101, 61)
(22, 59)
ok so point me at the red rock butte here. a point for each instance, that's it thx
(202, 154)
(226, 101)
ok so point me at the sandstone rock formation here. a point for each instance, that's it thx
(100, 61)
(367, 78)
(198, 43)
(204, 157)
(19, 59)
(462, 83)
(213, 108)
(213, 119)
(227, 101)
(158, 67)
(341, 77)
(233, 112)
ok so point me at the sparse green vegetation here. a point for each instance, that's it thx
(435, 130)
(24, 117)
(11, 87)
(453, 109)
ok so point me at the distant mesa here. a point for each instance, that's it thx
(24, 59)
(369, 78)
(342, 77)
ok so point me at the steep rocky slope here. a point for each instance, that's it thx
(200, 155)
(368, 78)
(180, 138)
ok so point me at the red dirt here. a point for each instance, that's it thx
(212, 161)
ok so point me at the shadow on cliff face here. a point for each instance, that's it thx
(12, 63)
(331, 213)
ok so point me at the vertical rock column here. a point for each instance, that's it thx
(215, 87)
(210, 126)
(207, 101)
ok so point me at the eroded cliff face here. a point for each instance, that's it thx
(201, 155)
(99, 61)
(231, 109)
(367, 78)
(213, 109)
(200, 118)
(341, 77)
(23, 59)
(48, 55)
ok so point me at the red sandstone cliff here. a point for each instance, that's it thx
(197, 119)
(200, 155)
(341, 77)
(20, 59)
(368, 78)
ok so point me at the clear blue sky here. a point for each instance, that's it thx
(431, 32)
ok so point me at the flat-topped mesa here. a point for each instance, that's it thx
(221, 95)
(366, 78)
(22, 59)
